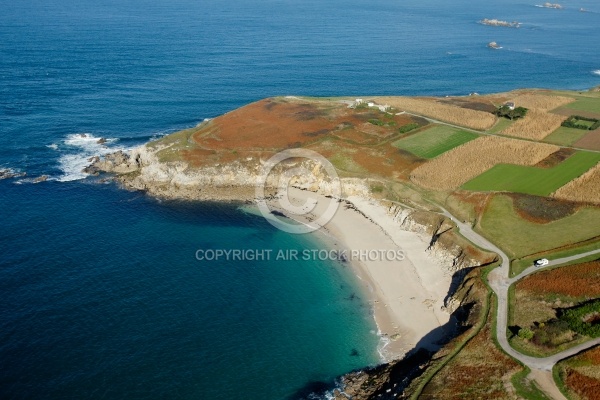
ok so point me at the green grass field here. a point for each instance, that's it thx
(585, 104)
(434, 141)
(520, 265)
(519, 237)
(501, 125)
(532, 180)
(565, 136)
(584, 122)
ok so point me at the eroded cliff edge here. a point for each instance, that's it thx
(141, 169)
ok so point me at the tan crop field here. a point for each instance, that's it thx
(541, 102)
(474, 119)
(586, 188)
(536, 125)
(461, 164)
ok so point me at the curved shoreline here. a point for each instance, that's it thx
(411, 297)
(406, 296)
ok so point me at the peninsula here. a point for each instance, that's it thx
(470, 192)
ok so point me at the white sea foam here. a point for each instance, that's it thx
(384, 342)
(52, 146)
(79, 149)
(596, 72)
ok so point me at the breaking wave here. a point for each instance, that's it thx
(79, 148)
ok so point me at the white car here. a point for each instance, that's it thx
(541, 262)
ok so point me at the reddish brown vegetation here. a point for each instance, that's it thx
(542, 210)
(478, 371)
(592, 356)
(266, 124)
(280, 123)
(580, 280)
(555, 158)
(387, 161)
(585, 386)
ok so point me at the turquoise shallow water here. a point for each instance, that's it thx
(101, 294)
(103, 297)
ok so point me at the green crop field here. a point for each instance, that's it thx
(518, 237)
(434, 141)
(532, 180)
(565, 136)
(585, 104)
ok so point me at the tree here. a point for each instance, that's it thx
(506, 112)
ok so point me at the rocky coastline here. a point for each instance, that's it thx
(140, 169)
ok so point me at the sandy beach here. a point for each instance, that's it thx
(406, 294)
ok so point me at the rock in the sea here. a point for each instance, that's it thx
(41, 178)
(552, 5)
(91, 169)
(494, 45)
(497, 22)
(7, 173)
(102, 141)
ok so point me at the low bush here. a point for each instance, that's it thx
(584, 319)
(408, 127)
(525, 333)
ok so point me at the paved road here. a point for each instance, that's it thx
(499, 282)
(558, 261)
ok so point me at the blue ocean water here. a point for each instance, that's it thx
(101, 294)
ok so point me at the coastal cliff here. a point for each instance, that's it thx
(141, 169)
(408, 376)
(224, 160)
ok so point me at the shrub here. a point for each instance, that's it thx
(525, 333)
(408, 127)
(377, 122)
(584, 319)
